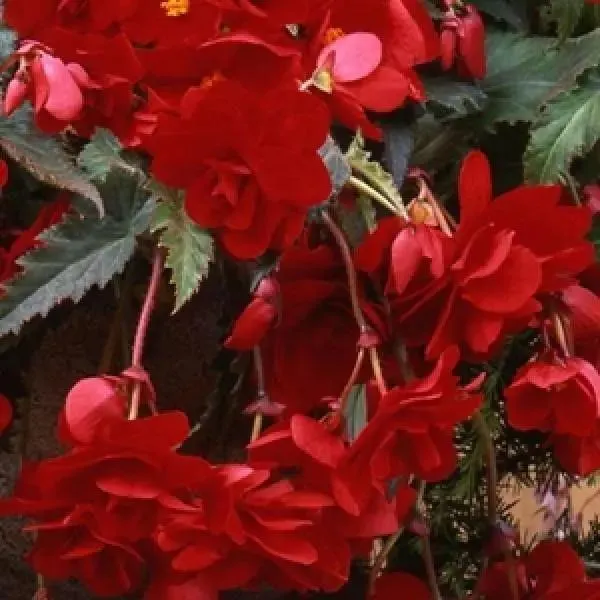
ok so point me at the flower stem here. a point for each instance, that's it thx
(260, 390)
(377, 371)
(142, 327)
(365, 188)
(359, 317)
(352, 379)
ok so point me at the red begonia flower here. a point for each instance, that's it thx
(411, 431)
(315, 313)
(243, 178)
(380, 81)
(551, 571)
(562, 398)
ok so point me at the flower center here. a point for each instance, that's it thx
(332, 34)
(210, 80)
(176, 8)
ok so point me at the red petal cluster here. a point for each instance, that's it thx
(551, 571)
(486, 281)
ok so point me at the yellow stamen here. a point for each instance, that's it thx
(210, 80)
(176, 8)
(332, 34)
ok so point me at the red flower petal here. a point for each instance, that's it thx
(475, 190)
(355, 56)
(406, 257)
(91, 405)
(64, 100)
(311, 437)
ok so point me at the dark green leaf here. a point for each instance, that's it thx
(101, 154)
(398, 140)
(570, 127)
(77, 254)
(190, 249)
(355, 411)
(509, 12)
(566, 14)
(8, 41)
(43, 156)
(449, 98)
(526, 72)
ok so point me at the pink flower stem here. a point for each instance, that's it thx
(352, 379)
(261, 392)
(142, 326)
(363, 326)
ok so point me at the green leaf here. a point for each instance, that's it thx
(43, 156)
(355, 411)
(452, 99)
(336, 163)
(77, 254)
(8, 42)
(190, 249)
(569, 128)
(524, 73)
(566, 14)
(101, 154)
(509, 12)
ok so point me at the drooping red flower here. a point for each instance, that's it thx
(315, 313)
(551, 571)
(560, 397)
(243, 178)
(86, 82)
(462, 40)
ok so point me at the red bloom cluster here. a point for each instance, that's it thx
(212, 90)
(475, 286)
(122, 502)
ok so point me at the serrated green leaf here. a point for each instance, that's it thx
(372, 171)
(77, 254)
(336, 163)
(100, 155)
(44, 157)
(355, 411)
(569, 128)
(452, 99)
(566, 14)
(524, 73)
(190, 249)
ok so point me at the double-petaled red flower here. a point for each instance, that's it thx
(315, 313)
(230, 151)
(562, 397)
(472, 288)
(96, 507)
(412, 430)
